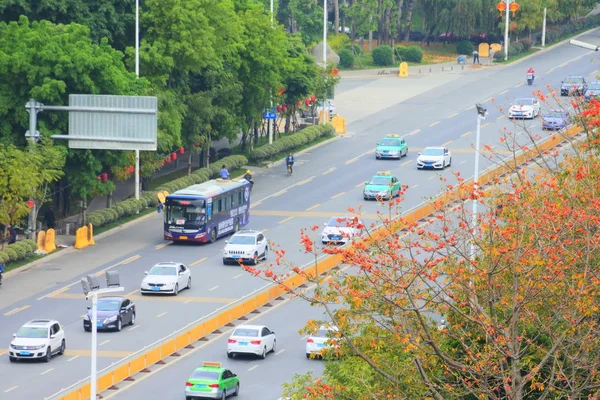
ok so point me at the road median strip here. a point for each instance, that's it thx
(228, 315)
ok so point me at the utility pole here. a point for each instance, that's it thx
(137, 72)
(33, 136)
(269, 131)
(506, 30)
(325, 115)
(544, 29)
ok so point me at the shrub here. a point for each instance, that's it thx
(354, 49)
(383, 56)
(12, 254)
(4, 258)
(338, 41)
(499, 55)
(121, 210)
(200, 175)
(413, 54)
(19, 249)
(400, 52)
(346, 58)
(95, 219)
(291, 142)
(526, 43)
(31, 244)
(464, 47)
(107, 216)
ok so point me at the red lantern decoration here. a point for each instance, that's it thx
(335, 71)
(169, 159)
(174, 156)
(284, 107)
(104, 177)
(501, 7)
(299, 104)
(514, 7)
(278, 108)
(307, 102)
(162, 163)
(181, 150)
(30, 203)
(313, 97)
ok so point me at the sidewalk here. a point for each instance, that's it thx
(415, 70)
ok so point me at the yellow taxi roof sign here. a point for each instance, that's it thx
(211, 364)
(383, 173)
(393, 135)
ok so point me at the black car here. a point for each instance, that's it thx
(112, 314)
(573, 85)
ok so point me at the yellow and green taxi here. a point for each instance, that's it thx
(211, 381)
(384, 185)
(391, 146)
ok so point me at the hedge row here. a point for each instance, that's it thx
(291, 142)
(148, 199)
(18, 251)
(569, 28)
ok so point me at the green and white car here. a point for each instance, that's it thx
(391, 146)
(211, 381)
(384, 186)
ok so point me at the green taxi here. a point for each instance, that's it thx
(391, 146)
(211, 381)
(384, 186)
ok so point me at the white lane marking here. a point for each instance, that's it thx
(187, 301)
(213, 288)
(519, 85)
(259, 202)
(46, 371)
(253, 368)
(462, 162)
(414, 132)
(304, 337)
(161, 314)
(237, 276)
(414, 186)
(470, 108)
(10, 389)
(279, 352)
(452, 115)
(330, 170)
(405, 163)
(72, 358)
(466, 134)
(103, 343)
(506, 91)
(434, 123)
(431, 177)
(134, 327)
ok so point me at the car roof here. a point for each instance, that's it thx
(575, 76)
(167, 264)
(435, 147)
(41, 323)
(210, 368)
(250, 327)
(247, 232)
(120, 298)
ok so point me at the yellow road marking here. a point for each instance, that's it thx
(466, 134)
(283, 221)
(59, 291)
(352, 160)
(305, 181)
(198, 262)
(484, 125)
(490, 99)
(264, 230)
(338, 195)
(131, 259)
(506, 91)
(357, 186)
(434, 123)
(279, 193)
(519, 85)
(161, 246)
(502, 116)
(330, 170)
(176, 299)
(16, 310)
(405, 163)
(470, 108)
(414, 132)
(131, 293)
(550, 70)
(313, 207)
(258, 203)
(452, 115)
(447, 143)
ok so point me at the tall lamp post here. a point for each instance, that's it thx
(137, 72)
(271, 96)
(324, 53)
(91, 290)
(481, 116)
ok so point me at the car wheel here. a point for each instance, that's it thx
(266, 253)
(12, 359)
(236, 225)
(87, 329)
(450, 162)
(213, 235)
(230, 355)
(176, 290)
(264, 353)
(274, 349)
(237, 390)
(255, 261)
(189, 284)
(307, 355)
(48, 356)
(132, 319)
(119, 324)
(223, 395)
(63, 346)
(377, 157)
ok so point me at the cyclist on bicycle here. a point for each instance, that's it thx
(289, 161)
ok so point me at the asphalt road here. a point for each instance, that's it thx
(326, 181)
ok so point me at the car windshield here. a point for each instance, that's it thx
(524, 102)
(185, 212)
(379, 180)
(322, 333)
(339, 222)
(594, 86)
(161, 270)
(555, 114)
(433, 152)
(390, 142)
(242, 239)
(32, 333)
(205, 375)
(573, 80)
(109, 305)
(246, 332)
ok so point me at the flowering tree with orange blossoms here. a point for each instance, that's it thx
(420, 316)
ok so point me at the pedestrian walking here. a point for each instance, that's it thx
(12, 235)
(50, 218)
(475, 57)
(492, 52)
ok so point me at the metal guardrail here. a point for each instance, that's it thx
(266, 288)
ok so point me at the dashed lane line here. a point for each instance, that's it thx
(162, 314)
(175, 299)
(452, 115)
(313, 207)
(161, 246)
(253, 368)
(10, 389)
(198, 262)
(238, 276)
(73, 358)
(414, 186)
(405, 163)
(506, 91)
(103, 343)
(338, 195)
(283, 221)
(462, 162)
(304, 182)
(470, 108)
(519, 84)
(88, 353)
(447, 143)
(502, 116)
(16, 310)
(484, 125)
(414, 132)
(47, 371)
(134, 327)
(330, 170)
(129, 260)
(466, 134)
(279, 193)
(434, 123)
(213, 288)
(279, 352)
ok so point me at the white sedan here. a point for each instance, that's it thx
(168, 278)
(525, 108)
(340, 230)
(434, 158)
(251, 339)
(320, 341)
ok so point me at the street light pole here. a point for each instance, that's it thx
(137, 72)
(271, 93)
(33, 136)
(325, 54)
(506, 30)
(481, 116)
(544, 29)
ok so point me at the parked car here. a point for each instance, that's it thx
(573, 84)
(555, 120)
(528, 107)
(251, 339)
(340, 229)
(246, 246)
(112, 314)
(38, 339)
(434, 158)
(167, 277)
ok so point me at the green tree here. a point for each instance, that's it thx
(308, 18)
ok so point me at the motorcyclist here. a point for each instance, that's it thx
(248, 177)
(532, 72)
(1, 271)
(289, 161)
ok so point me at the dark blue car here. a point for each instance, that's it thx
(593, 90)
(555, 120)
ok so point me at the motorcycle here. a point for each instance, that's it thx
(530, 79)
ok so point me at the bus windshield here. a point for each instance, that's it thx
(185, 212)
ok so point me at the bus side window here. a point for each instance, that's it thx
(241, 196)
(233, 200)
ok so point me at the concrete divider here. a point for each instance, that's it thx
(81, 238)
(230, 313)
(90, 233)
(50, 241)
(41, 240)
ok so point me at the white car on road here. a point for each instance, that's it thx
(340, 230)
(40, 338)
(524, 108)
(167, 277)
(320, 341)
(251, 339)
(434, 158)
(247, 246)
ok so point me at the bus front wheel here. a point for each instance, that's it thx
(213, 235)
